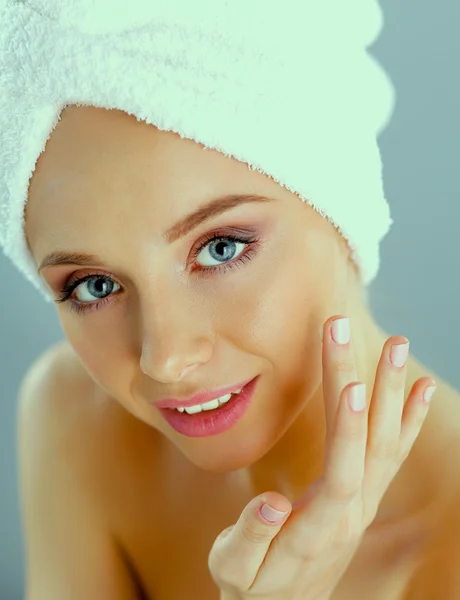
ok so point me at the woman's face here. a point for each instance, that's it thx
(168, 318)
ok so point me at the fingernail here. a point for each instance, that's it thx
(340, 330)
(429, 393)
(357, 397)
(271, 514)
(399, 354)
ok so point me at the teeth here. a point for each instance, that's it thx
(213, 404)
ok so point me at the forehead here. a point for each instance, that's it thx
(97, 151)
(89, 139)
(106, 164)
(98, 147)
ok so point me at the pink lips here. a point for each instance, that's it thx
(212, 422)
(200, 398)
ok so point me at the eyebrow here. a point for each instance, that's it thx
(188, 223)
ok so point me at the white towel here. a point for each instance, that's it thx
(287, 87)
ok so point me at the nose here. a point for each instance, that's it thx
(175, 343)
(172, 370)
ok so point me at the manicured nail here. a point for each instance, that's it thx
(399, 354)
(340, 331)
(429, 393)
(357, 397)
(271, 514)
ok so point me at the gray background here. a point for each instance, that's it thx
(417, 290)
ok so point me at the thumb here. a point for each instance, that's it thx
(240, 549)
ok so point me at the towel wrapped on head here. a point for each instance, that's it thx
(247, 78)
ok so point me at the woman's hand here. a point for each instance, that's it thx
(305, 554)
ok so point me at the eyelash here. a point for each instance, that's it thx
(80, 308)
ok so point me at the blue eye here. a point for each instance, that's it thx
(221, 248)
(94, 285)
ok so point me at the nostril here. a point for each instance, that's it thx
(186, 370)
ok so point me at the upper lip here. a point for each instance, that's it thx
(201, 397)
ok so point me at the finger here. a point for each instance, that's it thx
(329, 515)
(394, 423)
(385, 413)
(414, 414)
(239, 551)
(387, 401)
(339, 368)
(345, 458)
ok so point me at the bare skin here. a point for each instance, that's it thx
(146, 488)
(109, 185)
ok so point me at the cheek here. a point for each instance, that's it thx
(278, 316)
(102, 352)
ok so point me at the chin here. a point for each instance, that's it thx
(227, 453)
(219, 463)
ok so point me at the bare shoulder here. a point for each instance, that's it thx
(98, 433)
(60, 474)
(61, 390)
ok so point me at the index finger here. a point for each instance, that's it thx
(339, 367)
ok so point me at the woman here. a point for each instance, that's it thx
(156, 327)
(124, 498)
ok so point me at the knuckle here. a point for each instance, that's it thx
(256, 533)
(355, 432)
(385, 449)
(344, 365)
(394, 378)
(348, 532)
(255, 536)
(342, 492)
(394, 381)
